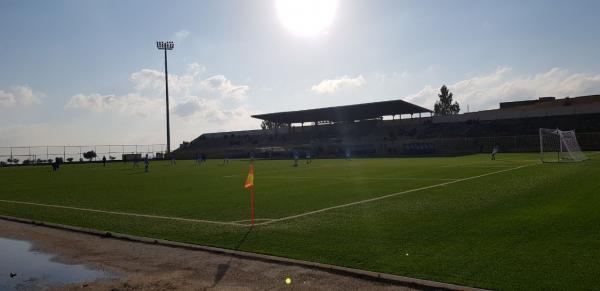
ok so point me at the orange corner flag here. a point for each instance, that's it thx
(250, 180)
(250, 185)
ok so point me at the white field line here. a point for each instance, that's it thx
(489, 162)
(480, 166)
(267, 221)
(249, 220)
(124, 213)
(389, 195)
(357, 178)
(280, 171)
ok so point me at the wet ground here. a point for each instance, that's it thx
(150, 267)
(22, 268)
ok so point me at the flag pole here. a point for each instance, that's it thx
(252, 205)
(249, 184)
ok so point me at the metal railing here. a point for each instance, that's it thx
(38, 154)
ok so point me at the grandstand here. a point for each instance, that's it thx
(397, 128)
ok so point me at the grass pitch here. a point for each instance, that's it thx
(512, 223)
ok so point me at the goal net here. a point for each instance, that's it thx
(560, 146)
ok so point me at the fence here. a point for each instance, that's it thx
(38, 154)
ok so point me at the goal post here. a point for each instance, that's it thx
(560, 146)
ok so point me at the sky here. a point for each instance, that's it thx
(89, 72)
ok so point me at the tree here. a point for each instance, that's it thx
(265, 124)
(270, 124)
(89, 155)
(445, 106)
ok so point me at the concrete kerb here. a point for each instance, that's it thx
(363, 274)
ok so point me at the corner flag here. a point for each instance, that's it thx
(250, 185)
(250, 180)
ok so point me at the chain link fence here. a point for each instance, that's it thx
(75, 153)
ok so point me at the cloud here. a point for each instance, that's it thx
(198, 103)
(211, 116)
(19, 95)
(195, 69)
(152, 83)
(181, 35)
(332, 85)
(225, 87)
(210, 110)
(486, 91)
(131, 104)
(147, 79)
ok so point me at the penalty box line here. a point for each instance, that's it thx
(232, 223)
(388, 196)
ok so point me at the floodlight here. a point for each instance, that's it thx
(165, 46)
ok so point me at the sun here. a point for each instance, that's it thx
(306, 17)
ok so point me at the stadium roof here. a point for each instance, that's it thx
(345, 113)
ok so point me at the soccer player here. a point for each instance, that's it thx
(348, 157)
(198, 159)
(146, 163)
(494, 152)
(308, 158)
(295, 159)
(135, 161)
(104, 161)
(173, 163)
(55, 166)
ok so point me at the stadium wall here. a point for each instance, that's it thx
(513, 130)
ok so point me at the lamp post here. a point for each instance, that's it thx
(166, 46)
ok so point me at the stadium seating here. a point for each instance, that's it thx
(418, 136)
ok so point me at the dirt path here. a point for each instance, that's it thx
(152, 267)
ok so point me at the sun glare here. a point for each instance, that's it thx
(306, 17)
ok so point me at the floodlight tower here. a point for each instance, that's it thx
(166, 46)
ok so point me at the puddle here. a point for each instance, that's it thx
(35, 270)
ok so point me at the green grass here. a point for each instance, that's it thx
(535, 227)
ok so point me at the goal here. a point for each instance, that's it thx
(560, 146)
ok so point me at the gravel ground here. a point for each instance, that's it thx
(151, 267)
